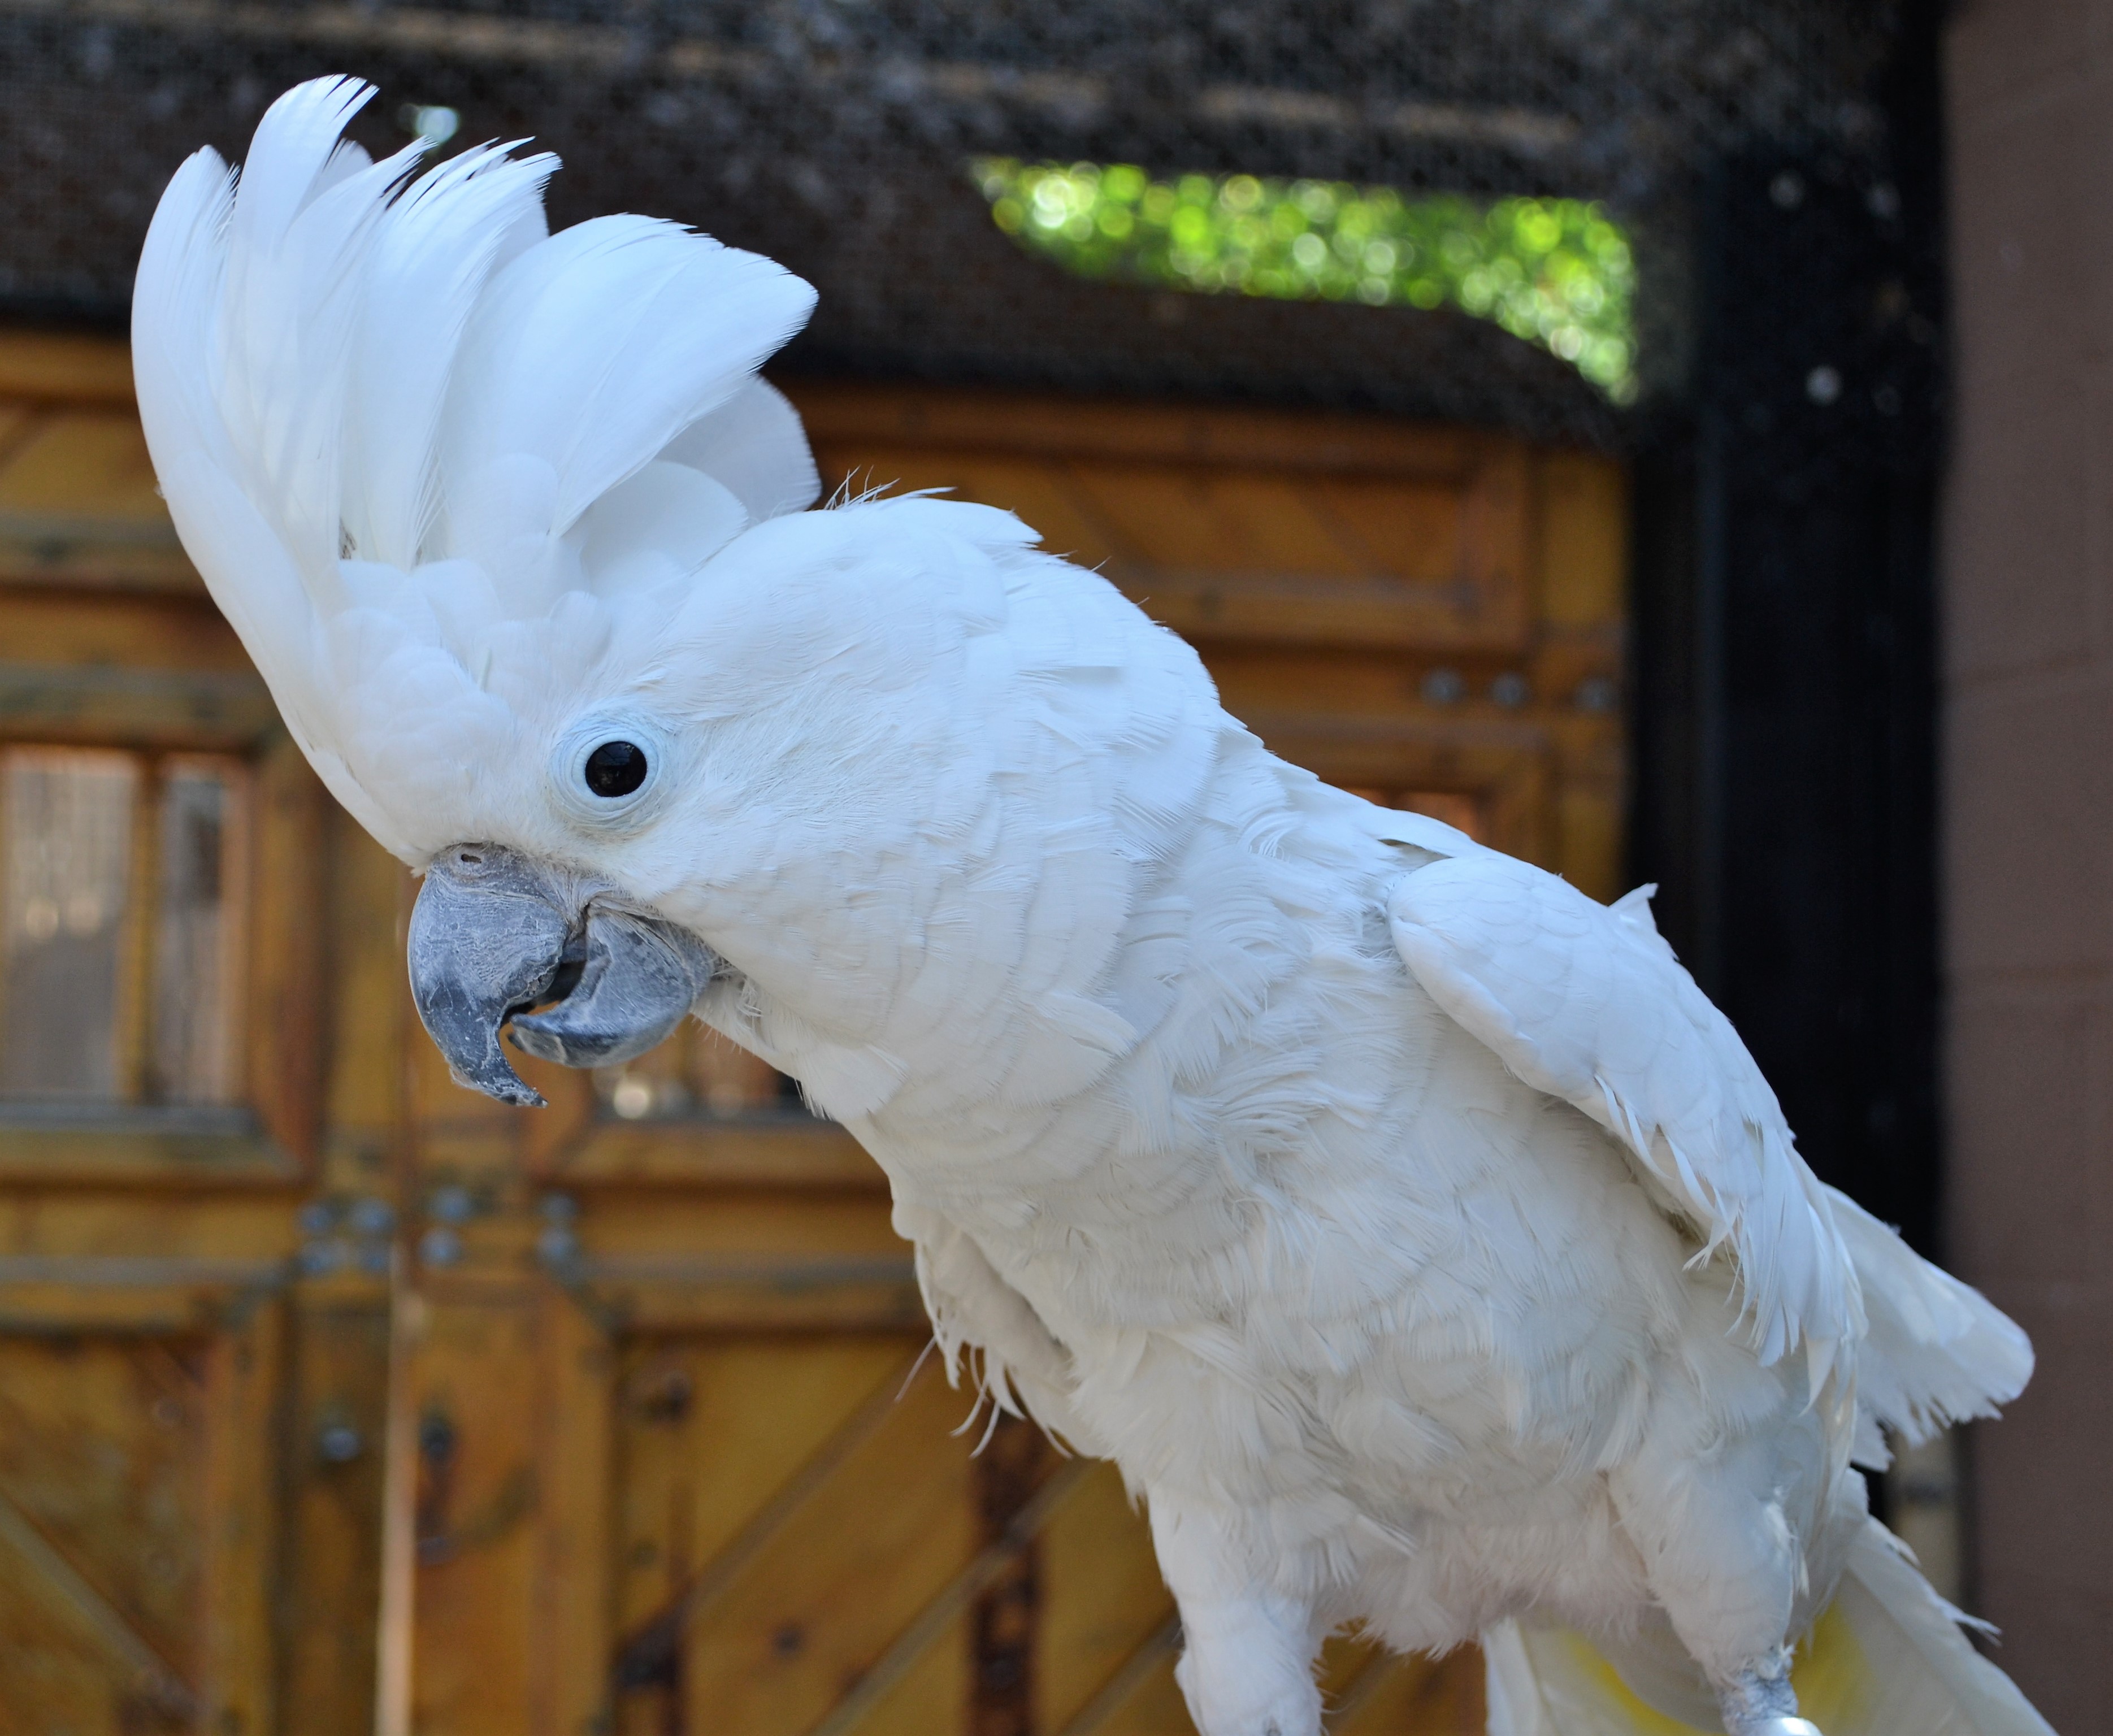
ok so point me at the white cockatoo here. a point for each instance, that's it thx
(1424, 1248)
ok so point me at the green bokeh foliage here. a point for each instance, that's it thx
(1555, 271)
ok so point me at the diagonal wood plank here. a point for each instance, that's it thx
(843, 1579)
(1159, 1650)
(117, 1636)
(647, 1654)
(945, 1610)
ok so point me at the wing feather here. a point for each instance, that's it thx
(1587, 1002)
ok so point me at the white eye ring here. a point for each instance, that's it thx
(627, 808)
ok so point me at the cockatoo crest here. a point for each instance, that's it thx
(440, 469)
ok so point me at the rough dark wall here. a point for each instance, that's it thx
(2027, 605)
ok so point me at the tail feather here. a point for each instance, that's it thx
(1551, 1682)
(1887, 1658)
(1918, 1672)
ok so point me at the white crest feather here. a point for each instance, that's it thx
(378, 405)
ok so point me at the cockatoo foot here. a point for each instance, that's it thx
(1761, 1702)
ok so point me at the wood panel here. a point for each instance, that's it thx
(78, 508)
(777, 1618)
(102, 1476)
(155, 1320)
(1431, 553)
(329, 1575)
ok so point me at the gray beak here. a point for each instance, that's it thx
(495, 935)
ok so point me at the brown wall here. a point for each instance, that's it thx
(2028, 608)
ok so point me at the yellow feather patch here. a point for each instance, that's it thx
(1830, 1672)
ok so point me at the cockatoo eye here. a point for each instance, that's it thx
(612, 771)
(616, 769)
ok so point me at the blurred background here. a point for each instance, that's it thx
(1642, 433)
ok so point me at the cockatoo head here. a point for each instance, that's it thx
(454, 479)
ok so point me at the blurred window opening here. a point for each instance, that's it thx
(698, 1074)
(121, 927)
(196, 957)
(1554, 271)
(1455, 808)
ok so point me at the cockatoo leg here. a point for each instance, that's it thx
(1760, 1702)
(1722, 1559)
(1246, 1666)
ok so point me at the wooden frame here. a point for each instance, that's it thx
(441, 1259)
(273, 1136)
(131, 1225)
(87, 519)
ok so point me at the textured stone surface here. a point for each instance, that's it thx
(2028, 606)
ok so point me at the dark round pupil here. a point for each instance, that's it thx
(616, 768)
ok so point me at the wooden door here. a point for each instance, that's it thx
(335, 1399)
(160, 895)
